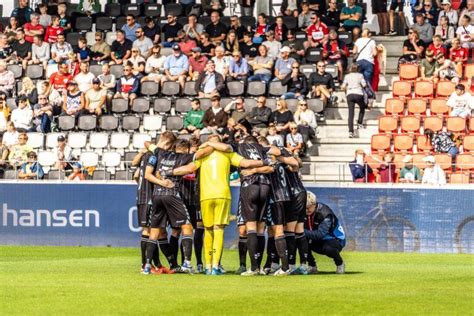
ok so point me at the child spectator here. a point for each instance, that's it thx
(273, 137)
(193, 119)
(442, 142)
(83, 52)
(52, 32)
(458, 55)
(294, 140)
(31, 169)
(437, 46)
(446, 70)
(428, 66)
(461, 102)
(360, 170)
(387, 172)
(409, 173)
(76, 174)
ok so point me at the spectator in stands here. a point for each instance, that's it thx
(152, 30)
(458, 55)
(272, 45)
(210, 83)
(259, 116)
(447, 69)
(213, 6)
(433, 173)
(231, 43)
(60, 50)
(317, 32)
(207, 47)
(127, 85)
(445, 30)
(437, 46)
(294, 140)
(261, 27)
(351, 17)
(413, 48)
(60, 78)
(100, 51)
(429, 12)
(143, 43)
(387, 171)
(332, 17)
(6, 51)
(322, 85)
(130, 28)
(216, 29)
(12, 29)
(304, 18)
(135, 59)
(289, 7)
(280, 30)
(84, 77)
(28, 89)
(107, 83)
(95, 98)
(297, 49)
(77, 174)
(33, 28)
(428, 66)
(185, 43)
(424, 29)
(262, 66)
(18, 152)
(468, 11)
(360, 170)
(237, 113)
(461, 102)
(7, 79)
(9, 139)
(401, 16)
(22, 13)
(170, 31)
(90, 8)
(154, 65)
(23, 115)
(45, 18)
(335, 52)
(442, 142)
(193, 29)
(31, 169)
(53, 30)
(283, 64)
(64, 19)
(193, 119)
(448, 12)
(215, 118)
(246, 7)
(53, 96)
(21, 49)
(221, 61)
(354, 84)
(42, 115)
(409, 173)
(248, 48)
(63, 154)
(4, 113)
(197, 64)
(73, 100)
(121, 49)
(83, 52)
(282, 117)
(238, 68)
(296, 83)
(273, 137)
(465, 32)
(365, 49)
(237, 27)
(40, 52)
(176, 67)
(306, 121)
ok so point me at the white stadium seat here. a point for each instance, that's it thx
(140, 139)
(77, 140)
(89, 159)
(98, 140)
(52, 140)
(120, 140)
(46, 158)
(36, 140)
(111, 159)
(152, 122)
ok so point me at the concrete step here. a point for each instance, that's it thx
(393, 44)
(342, 141)
(341, 132)
(343, 113)
(339, 122)
(343, 148)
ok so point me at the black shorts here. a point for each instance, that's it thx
(168, 209)
(194, 214)
(379, 6)
(275, 214)
(143, 213)
(397, 4)
(350, 28)
(296, 209)
(254, 199)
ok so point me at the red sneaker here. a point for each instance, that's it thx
(165, 270)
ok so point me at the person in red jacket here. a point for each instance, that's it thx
(52, 32)
(33, 28)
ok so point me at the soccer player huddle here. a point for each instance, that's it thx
(184, 185)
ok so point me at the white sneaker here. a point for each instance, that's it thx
(281, 272)
(274, 268)
(341, 269)
(249, 272)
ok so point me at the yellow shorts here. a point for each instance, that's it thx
(215, 212)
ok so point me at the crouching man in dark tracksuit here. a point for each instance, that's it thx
(325, 234)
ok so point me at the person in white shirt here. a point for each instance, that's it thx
(306, 120)
(84, 78)
(461, 102)
(221, 61)
(22, 116)
(9, 139)
(272, 45)
(433, 173)
(465, 32)
(143, 43)
(40, 52)
(154, 65)
(63, 153)
(366, 48)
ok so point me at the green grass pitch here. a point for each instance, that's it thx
(105, 281)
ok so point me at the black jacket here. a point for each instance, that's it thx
(220, 84)
(259, 117)
(319, 225)
(299, 85)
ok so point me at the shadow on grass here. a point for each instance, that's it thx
(230, 272)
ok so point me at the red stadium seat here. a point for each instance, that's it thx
(423, 144)
(444, 89)
(468, 143)
(388, 124)
(471, 125)
(459, 178)
(410, 124)
(439, 107)
(418, 160)
(424, 89)
(464, 162)
(380, 143)
(394, 107)
(401, 89)
(374, 161)
(398, 160)
(408, 72)
(416, 107)
(434, 123)
(469, 71)
(403, 143)
(456, 124)
(444, 161)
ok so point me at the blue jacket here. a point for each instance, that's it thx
(358, 171)
(33, 168)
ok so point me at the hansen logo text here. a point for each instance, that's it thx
(49, 218)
